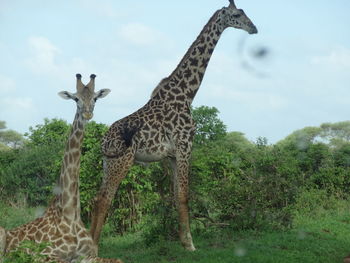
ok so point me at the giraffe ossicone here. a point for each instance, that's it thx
(164, 128)
(61, 225)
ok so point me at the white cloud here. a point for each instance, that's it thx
(44, 53)
(18, 112)
(338, 58)
(103, 8)
(6, 85)
(15, 110)
(47, 59)
(5, 6)
(18, 104)
(139, 34)
(254, 100)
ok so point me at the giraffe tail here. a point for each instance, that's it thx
(115, 142)
(127, 135)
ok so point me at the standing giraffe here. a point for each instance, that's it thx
(61, 225)
(164, 126)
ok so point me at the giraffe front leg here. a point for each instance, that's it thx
(180, 169)
(115, 171)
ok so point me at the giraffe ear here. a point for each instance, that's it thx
(66, 95)
(102, 93)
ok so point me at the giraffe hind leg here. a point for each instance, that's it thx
(180, 171)
(115, 171)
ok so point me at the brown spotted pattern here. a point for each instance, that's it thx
(61, 224)
(164, 128)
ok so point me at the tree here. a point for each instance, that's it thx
(91, 171)
(208, 125)
(301, 139)
(34, 169)
(336, 133)
(9, 138)
(54, 131)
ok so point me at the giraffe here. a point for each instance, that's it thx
(61, 224)
(163, 127)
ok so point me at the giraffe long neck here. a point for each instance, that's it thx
(69, 197)
(183, 83)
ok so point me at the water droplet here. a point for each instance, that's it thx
(240, 251)
(253, 213)
(39, 212)
(302, 144)
(236, 162)
(57, 190)
(347, 161)
(301, 234)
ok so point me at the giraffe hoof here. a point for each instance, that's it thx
(192, 248)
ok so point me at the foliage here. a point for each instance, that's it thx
(314, 203)
(52, 132)
(9, 138)
(161, 221)
(28, 252)
(91, 171)
(208, 125)
(324, 238)
(234, 183)
(31, 175)
(33, 169)
(164, 223)
(315, 236)
(336, 133)
(135, 199)
(14, 216)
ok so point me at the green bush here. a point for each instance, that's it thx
(28, 252)
(314, 203)
(233, 182)
(11, 217)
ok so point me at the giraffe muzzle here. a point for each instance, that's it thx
(87, 115)
(253, 29)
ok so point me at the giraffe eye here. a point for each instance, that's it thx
(76, 99)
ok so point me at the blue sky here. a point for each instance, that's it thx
(131, 45)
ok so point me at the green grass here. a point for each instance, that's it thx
(11, 217)
(312, 239)
(316, 236)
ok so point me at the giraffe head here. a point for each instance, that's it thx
(233, 17)
(85, 97)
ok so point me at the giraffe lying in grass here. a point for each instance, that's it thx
(61, 225)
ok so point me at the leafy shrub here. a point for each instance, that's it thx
(233, 182)
(28, 252)
(12, 217)
(315, 203)
(135, 198)
(36, 166)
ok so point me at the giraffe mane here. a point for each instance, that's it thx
(194, 43)
(187, 54)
